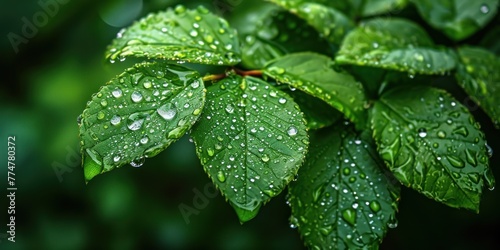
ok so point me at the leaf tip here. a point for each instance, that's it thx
(244, 214)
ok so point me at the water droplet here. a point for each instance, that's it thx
(229, 108)
(115, 120)
(471, 157)
(375, 45)
(117, 93)
(317, 193)
(485, 9)
(265, 158)
(441, 134)
(193, 33)
(210, 151)
(179, 9)
(79, 120)
(104, 103)
(221, 176)
(349, 215)
(455, 161)
(419, 57)
(100, 115)
(325, 231)
(138, 162)
(144, 140)
(136, 96)
(346, 171)
(292, 131)
(282, 100)
(393, 222)
(167, 111)
(195, 84)
(422, 132)
(375, 206)
(147, 85)
(463, 131)
(116, 158)
(489, 150)
(490, 179)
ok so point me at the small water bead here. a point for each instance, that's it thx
(116, 158)
(422, 132)
(104, 103)
(115, 120)
(136, 96)
(117, 93)
(282, 100)
(292, 131)
(144, 140)
(138, 163)
(100, 115)
(147, 85)
(484, 9)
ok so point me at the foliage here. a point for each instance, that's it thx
(273, 118)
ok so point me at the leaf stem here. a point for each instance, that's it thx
(214, 77)
(240, 72)
(248, 73)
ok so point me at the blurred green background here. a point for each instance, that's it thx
(45, 86)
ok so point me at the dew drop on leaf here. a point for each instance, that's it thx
(375, 206)
(292, 131)
(167, 111)
(136, 96)
(221, 176)
(349, 215)
(117, 93)
(422, 132)
(485, 9)
(115, 120)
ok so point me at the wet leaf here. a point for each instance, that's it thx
(491, 41)
(279, 33)
(328, 21)
(458, 19)
(395, 44)
(251, 140)
(318, 114)
(313, 74)
(178, 34)
(138, 114)
(376, 7)
(343, 198)
(432, 144)
(478, 73)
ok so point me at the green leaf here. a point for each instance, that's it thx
(318, 114)
(491, 41)
(278, 34)
(329, 22)
(195, 36)
(251, 140)
(138, 114)
(342, 198)
(313, 74)
(377, 7)
(478, 74)
(458, 19)
(432, 144)
(395, 44)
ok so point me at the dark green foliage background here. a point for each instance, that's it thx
(45, 87)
